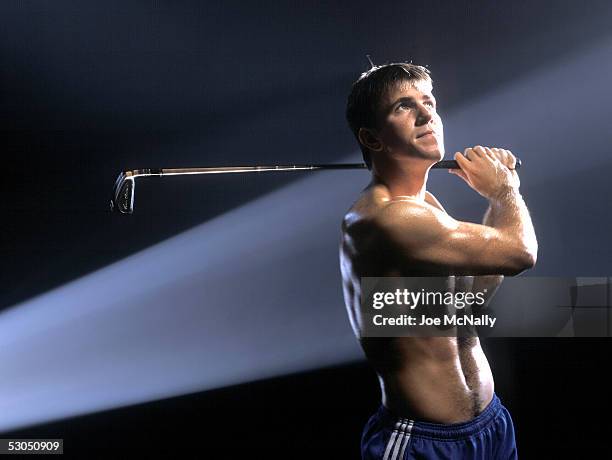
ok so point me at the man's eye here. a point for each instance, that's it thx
(404, 105)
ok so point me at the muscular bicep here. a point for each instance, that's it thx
(425, 237)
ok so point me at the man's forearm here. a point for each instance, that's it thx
(508, 213)
(489, 217)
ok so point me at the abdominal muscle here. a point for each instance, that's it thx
(433, 379)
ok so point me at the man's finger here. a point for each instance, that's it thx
(462, 161)
(491, 154)
(479, 150)
(499, 153)
(511, 159)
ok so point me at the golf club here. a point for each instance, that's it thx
(124, 189)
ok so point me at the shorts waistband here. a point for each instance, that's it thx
(440, 430)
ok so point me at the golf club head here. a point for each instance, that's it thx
(123, 194)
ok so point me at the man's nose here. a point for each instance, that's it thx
(425, 114)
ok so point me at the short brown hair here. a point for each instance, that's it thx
(368, 91)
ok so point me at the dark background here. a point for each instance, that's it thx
(556, 392)
(91, 88)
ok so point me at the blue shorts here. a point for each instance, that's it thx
(490, 435)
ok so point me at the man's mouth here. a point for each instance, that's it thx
(425, 133)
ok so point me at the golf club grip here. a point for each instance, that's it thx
(446, 164)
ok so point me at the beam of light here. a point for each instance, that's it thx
(256, 293)
(252, 294)
(557, 119)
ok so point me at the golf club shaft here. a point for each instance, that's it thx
(445, 164)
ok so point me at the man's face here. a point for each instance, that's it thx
(409, 123)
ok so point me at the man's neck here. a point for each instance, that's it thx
(405, 178)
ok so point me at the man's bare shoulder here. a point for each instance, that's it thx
(366, 209)
(408, 212)
(376, 214)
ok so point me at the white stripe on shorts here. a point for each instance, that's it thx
(405, 440)
(396, 446)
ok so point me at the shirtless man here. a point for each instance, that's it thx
(438, 399)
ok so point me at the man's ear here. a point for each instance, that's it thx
(368, 138)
